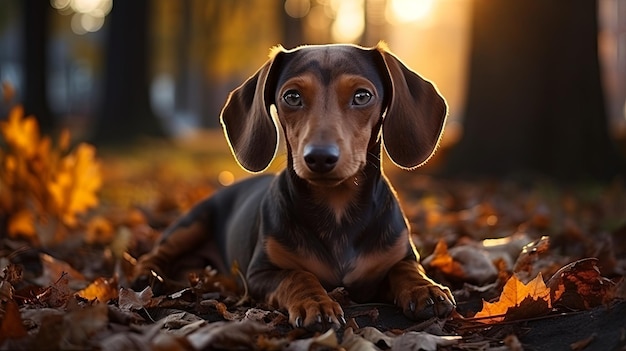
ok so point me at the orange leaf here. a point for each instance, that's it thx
(76, 183)
(442, 260)
(22, 223)
(518, 300)
(21, 133)
(12, 326)
(101, 289)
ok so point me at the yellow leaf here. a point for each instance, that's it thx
(101, 289)
(21, 134)
(519, 300)
(22, 223)
(74, 187)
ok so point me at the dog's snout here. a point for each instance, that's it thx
(321, 158)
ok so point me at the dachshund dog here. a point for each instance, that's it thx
(330, 218)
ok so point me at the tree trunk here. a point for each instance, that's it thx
(35, 18)
(126, 112)
(535, 102)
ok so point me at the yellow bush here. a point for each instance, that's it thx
(43, 186)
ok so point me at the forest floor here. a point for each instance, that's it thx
(533, 265)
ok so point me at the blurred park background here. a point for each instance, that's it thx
(534, 87)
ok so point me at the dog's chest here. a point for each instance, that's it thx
(341, 264)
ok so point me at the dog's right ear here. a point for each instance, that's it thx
(249, 128)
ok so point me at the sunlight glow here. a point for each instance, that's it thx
(349, 21)
(297, 8)
(226, 178)
(405, 11)
(88, 15)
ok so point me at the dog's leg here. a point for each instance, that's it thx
(419, 297)
(306, 301)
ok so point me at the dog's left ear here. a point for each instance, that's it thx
(249, 128)
(415, 116)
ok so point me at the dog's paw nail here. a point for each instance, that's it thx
(342, 320)
(430, 302)
(298, 322)
(319, 319)
(412, 306)
(441, 298)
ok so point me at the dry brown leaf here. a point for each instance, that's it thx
(54, 268)
(81, 324)
(416, 341)
(464, 263)
(12, 326)
(518, 300)
(101, 289)
(227, 335)
(356, 342)
(374, 335)
(57, 294)
(580, 286)
(326, 341)
(131, 300)
(524, 266)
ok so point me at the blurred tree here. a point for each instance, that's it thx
(535, 101)
(292, 31)
(35, 19)
(126, 112)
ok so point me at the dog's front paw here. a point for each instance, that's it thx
(307, 302)
(316, 312)
(425, 301)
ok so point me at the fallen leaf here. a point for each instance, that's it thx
(101, 289)
(525, 265)
(375, 336)
(518, 300)
(58, 294)
(416, 341)
(580, 286)
(442, 260)
(54, 268)
(74, 186)
(326, 341)
(21, 133)
(12, 326)
(100, 230)
(22, 223)
(226, 335)
(356, 342)
(464, 263)
(131, 300)
(81, 324)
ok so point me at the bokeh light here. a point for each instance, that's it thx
(87, 15)
(405, 11)
(349, 21)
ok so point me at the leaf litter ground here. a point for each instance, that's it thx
(534, 265)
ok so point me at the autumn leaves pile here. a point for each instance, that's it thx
(43, 186)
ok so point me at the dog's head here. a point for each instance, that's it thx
(331, 101)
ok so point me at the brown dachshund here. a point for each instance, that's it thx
(330, 218)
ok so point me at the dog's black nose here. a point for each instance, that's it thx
(321, 159)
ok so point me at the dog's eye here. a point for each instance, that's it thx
(361, 97)
(292, 98)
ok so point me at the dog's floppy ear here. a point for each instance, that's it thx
(249, 128)
(415, 116)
